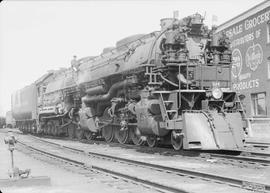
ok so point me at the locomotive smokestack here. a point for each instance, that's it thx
(166, 22)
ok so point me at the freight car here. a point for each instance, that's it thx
(9, 120)
(23, 106)
(2, 122)
(171, 86)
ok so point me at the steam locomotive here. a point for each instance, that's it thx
(171, 86)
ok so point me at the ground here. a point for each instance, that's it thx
(66, 181)
(62, 181)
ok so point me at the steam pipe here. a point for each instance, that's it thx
(180, 77)
(111, 93)
(96, 90)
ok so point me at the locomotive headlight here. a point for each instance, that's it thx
(217, 93)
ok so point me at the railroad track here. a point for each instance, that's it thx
(246, 157)
(116, 175)
(259, 144)
(258, 154)
(251, 158)
(239, 183)
(106, 178)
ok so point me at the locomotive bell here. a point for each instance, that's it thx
(196, 20)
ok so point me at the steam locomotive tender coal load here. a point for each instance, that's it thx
(171, 86)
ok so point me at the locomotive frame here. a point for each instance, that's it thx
(168, 87)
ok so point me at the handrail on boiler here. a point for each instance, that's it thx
(154, 33)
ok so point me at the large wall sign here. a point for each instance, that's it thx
(254, 56)
(237, 63)
(249, 36)
(248, 42)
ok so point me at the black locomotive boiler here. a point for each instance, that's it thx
(170, 86)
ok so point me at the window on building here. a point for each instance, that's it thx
(268, 64)
(268, 32)
(38, 91)
(258, 104)
(44, 89)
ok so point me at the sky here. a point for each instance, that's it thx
(37, 36)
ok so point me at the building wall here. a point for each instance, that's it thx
(250, 43)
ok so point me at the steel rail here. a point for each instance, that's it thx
(258, 154)
(240, 183)
(259, 144)
(160, 187)
(262, 161)
(247, 156)
(244, 153)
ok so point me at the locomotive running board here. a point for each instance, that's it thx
(212, 130)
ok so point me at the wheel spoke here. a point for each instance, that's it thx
(151, 141)
(136, 136)
(89, 135)
(108, 133)
(79, 134)
(122, 136)
(176, 140)
(46, 129)
(71, 132)
(54, 131)
(52, 128)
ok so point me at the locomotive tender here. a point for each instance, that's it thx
(171, 86)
